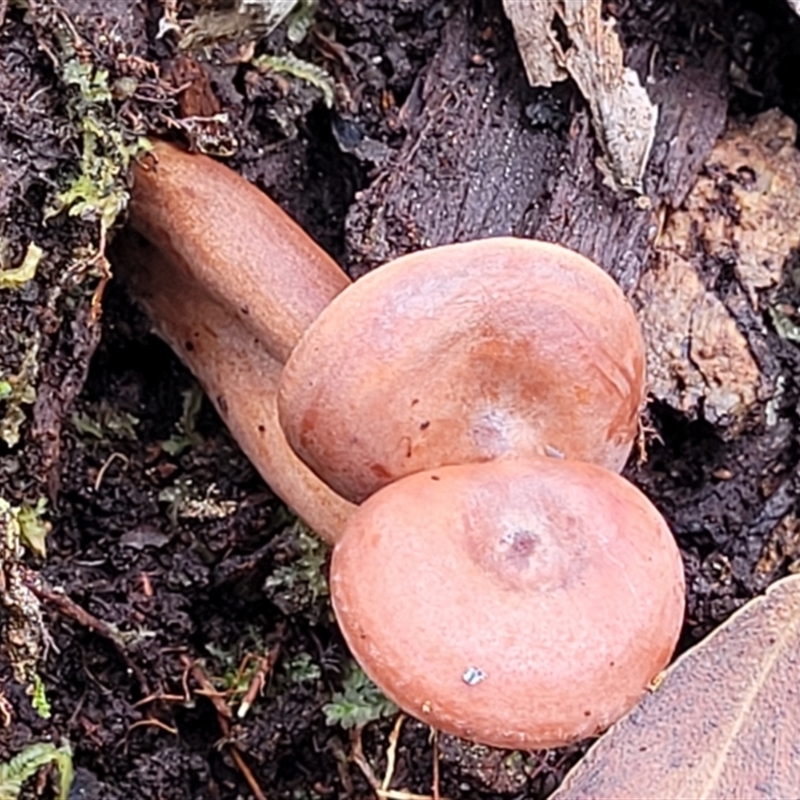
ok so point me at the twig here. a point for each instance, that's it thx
(248, 775)
(69, 608)
(209, 691)
(358, 757)
(108, 462)
(156, 723)
(224, 715)
(155, 698)
(391, 753)
(381, 787)
(435, 748)
(265, 665)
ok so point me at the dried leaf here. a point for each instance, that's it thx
(722, 724)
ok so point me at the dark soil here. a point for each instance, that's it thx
(186, 558)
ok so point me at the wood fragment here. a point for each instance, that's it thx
(623, 115)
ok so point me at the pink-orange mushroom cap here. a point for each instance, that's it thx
(522, 604)
(465, 353)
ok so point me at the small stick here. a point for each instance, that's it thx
(209, 691)
(224, 715)
(69, 608)
(435, 747)
(265, 665)
(106, 464)
(358, 757)
(156, 723)
(391, 753)
(248, 775)
(155, 698)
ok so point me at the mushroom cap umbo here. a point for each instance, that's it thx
(522, 604)
(465, 353)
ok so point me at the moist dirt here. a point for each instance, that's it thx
(173, 579)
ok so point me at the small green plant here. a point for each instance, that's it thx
(298, 584)
(39, 699)
(186, 435)
(17, 391)
(107, 422)
(23, 634)
(302, 669)
(33, 528)
(13, 278)
(19, 769)
(359, 702)
(300, 69)
(99, 190)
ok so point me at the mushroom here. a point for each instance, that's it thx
(230, 282)
(465, 353)
(516, 600)
(522, 604)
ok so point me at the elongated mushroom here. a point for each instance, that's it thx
(522, 604)
(465, 353)
(230, 282)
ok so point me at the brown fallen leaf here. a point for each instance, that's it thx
(724, 723)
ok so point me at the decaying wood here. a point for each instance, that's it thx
(624, 116)
(743, 212)
(538, 46)
(722, 723)
(470, 166)
(484, 155)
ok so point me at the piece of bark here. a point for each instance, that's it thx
(471, 166)
(742, 213)
(485, 155)
(696, 355)
(585, 215)
(745, 206)
(693, 108)
(538, 46)
(722, 724)
(623, 115)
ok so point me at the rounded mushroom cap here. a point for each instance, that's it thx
(521, 604)
(461, 354)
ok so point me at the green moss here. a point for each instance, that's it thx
(19, 769)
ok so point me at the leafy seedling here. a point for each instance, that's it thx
(359, 703)
(24, 766)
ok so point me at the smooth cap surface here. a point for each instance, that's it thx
(465, 353)
(519, 604)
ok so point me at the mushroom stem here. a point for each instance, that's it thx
(230, 238)
(232, 301)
